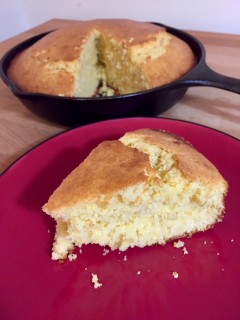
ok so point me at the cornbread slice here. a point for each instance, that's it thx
(119, 56)
(147, 188)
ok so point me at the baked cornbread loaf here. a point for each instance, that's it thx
(101, 57)
(147, 188)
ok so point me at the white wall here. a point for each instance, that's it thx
(206, 15)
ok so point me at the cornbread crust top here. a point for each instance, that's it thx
(191, 162)
(110, 167)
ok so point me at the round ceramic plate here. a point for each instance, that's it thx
(137, 283)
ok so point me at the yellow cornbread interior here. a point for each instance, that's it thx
(110, 63)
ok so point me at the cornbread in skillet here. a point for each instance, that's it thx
(103, 57)
(146, 188)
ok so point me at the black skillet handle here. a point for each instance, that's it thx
(202, 74)
(205, 76)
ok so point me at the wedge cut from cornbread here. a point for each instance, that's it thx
(146, 188)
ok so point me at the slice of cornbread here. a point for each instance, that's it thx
(147, 188)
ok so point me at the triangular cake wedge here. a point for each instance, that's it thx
(146, 188)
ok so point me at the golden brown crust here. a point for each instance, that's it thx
(172, 65)
(191, 162)
(30, 69)
(110, 167)
(128, 31)
(34, 70)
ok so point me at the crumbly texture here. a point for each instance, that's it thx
(123, 56)
(147, 188)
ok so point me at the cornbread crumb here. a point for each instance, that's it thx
(175, 274)
(178, 244)
(139, 272)
(95, 281)
(105, 251)
(205, 242)
(85, 268)
(232, 240)
(72, 256)
(48, 231)
(125, 258)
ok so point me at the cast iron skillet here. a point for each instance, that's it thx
(77, 111)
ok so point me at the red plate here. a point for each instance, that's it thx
(137, 284)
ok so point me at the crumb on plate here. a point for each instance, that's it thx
(105, 251)
(175, 274)
(95, 281)
(72, 256)
(178, 244)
